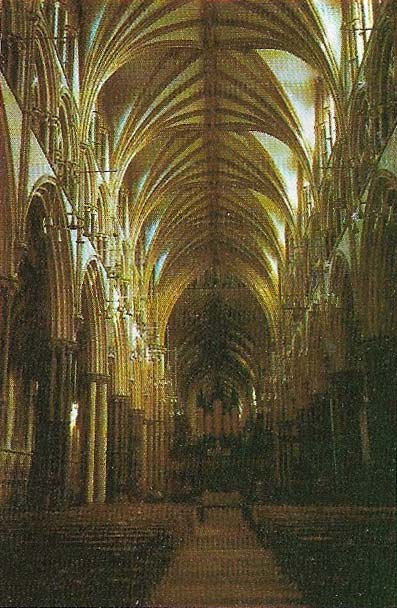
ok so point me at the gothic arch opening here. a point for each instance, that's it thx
(89, 430)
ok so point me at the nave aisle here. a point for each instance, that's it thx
(223, 565)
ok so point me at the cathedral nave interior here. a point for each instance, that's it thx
(198, 321)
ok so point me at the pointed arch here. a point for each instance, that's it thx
(342, 330)
(93, 307)
(46, 193)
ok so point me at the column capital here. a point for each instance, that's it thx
(118, 400)
(85, 146)
(137, 416)
(98, 377)
(54, 119)
(63, 342)
(21, 45)
(33, 16)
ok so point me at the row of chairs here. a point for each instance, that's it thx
(339, 556)
(92, 556)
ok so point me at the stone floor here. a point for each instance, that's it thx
(223, 565)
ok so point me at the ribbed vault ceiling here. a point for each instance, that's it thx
(206, 139)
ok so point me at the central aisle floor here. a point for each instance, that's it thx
(223, 565)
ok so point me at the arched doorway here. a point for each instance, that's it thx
(29, 367)
(40, 361)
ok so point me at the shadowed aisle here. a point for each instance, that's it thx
(224, 565)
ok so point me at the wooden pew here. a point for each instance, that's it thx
(339, 556)
(90, 556)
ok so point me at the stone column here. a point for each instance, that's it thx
(90, 441)
(53, 127)
(113, 457)
(55, 19)
(163, 453)
(101, 425)
(159, 453)
(156, 426)
(166, 447)
(118, 446)
(11, 406)
(151, 453)
(150, 433)
(40, 470)
(49, 472)
(20, 81)
(128, 480)
(138, 459)
(30, 418)
(45, 132)
(26, 136)
(145, 480)
(62, 396)
(8, 287)
(69, 400)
